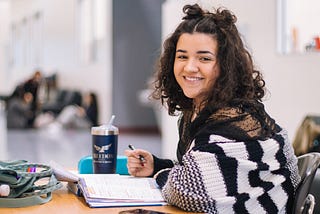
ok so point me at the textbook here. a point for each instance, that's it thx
(114, 190)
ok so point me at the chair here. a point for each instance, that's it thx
(315, 191)
(64, 98)
(304, 201)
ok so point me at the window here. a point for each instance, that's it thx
(92, 28)
(298, 26)
(27, 41)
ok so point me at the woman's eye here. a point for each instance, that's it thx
(205, 58)
(181, 57)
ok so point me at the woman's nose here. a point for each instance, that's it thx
(191, 66)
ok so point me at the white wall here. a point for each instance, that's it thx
(292, 80)
(4, 27)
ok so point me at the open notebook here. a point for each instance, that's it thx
(112, 190)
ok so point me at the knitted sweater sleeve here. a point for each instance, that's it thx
(160, 164)
(225, 176)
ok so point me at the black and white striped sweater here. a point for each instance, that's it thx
(225, 171)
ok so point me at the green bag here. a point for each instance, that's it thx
(29, 183)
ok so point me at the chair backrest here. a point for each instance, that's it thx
(307, 165)
(71, 97)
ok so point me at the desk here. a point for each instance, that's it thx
(65, 202)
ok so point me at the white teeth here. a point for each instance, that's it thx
(193, 78)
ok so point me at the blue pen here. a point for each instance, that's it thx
(141, 158)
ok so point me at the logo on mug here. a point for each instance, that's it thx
(102, 149)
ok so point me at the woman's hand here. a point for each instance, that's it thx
(139, 168)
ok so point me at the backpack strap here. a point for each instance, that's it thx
(24, 202)
(9, 163)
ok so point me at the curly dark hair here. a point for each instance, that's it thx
(238, 80)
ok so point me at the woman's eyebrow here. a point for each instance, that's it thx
(205, 52)
(182, 51)
(198, 52)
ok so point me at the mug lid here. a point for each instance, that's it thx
(104, 130)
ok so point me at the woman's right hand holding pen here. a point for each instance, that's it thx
(138, 167)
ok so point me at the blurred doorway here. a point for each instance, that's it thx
(136, 46)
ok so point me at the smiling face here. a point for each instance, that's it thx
(196, 67)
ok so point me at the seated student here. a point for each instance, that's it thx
(19, 111)
(232, 156)
(73, 116)
(31, 86)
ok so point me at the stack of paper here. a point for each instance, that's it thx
(112, 190)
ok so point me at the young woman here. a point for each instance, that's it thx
(232, 156)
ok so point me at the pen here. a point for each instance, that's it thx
(31, 169)
(141, 158)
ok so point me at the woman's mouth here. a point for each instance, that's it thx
(193, 78)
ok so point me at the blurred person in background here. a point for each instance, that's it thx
(72, 116)
(32, 86)
(19, 111)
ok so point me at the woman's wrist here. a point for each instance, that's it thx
(159, 164)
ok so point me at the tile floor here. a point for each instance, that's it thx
(66, 147)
